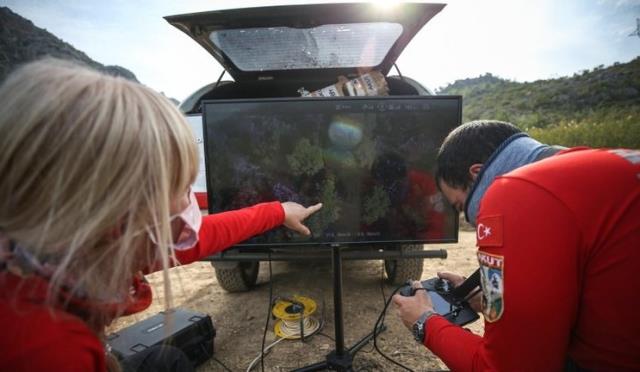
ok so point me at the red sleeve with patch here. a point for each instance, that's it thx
(527, 250)
(222, 230)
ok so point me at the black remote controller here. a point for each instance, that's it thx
(442, 286)
(455, 310)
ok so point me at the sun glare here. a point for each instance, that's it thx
(384, 4)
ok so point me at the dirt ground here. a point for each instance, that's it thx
(239, 318)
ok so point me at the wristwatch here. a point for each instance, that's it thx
(418, 326)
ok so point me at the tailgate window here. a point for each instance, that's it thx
(326, 46)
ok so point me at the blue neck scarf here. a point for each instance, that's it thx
(516, 151)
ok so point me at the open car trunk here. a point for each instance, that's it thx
(398, 86)
(274, 52)
(314, 42)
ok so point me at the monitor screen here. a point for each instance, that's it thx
(369, 160)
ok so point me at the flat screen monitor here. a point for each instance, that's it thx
(369, 160)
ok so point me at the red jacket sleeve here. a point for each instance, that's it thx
(222, 230)
(533, 305)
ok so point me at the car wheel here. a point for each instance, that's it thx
(399, 271)
(236, 276)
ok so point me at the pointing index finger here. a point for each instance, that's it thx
(314, 208)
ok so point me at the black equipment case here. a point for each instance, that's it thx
(191, 332)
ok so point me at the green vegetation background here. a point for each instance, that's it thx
(597, 108)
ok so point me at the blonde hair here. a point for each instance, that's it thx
(89, 163)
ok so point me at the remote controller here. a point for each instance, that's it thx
(439, 285)
(456, 310)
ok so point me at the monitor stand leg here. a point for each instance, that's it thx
(339, 359)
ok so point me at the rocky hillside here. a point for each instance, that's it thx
(545, 103)
(596, 108)
(21, 41)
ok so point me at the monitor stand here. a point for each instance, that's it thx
(339, 359)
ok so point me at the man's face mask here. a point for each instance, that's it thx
(190, 219)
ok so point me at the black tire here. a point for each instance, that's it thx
(399, 271)
(236, 276)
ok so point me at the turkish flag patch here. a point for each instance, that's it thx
(489, 231)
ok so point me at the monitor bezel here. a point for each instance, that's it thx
(379, 243)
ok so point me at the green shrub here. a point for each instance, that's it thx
(614, 127)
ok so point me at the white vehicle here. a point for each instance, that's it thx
(272, 52)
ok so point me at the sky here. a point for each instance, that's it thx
(520, 40)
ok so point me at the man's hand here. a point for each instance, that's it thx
(295, 213)
(476, 301)
(410, 308)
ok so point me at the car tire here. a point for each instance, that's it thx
(236, 276)
(399, 271)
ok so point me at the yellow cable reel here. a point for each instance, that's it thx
(289, 313)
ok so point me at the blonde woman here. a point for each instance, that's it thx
(95, 175)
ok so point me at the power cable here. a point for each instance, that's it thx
(264, 351)
(290, 328)
(375, 333)
(222, 364)
(266, 326)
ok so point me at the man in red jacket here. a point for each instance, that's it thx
(559, 251)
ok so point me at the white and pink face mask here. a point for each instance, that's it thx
(191, 217)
